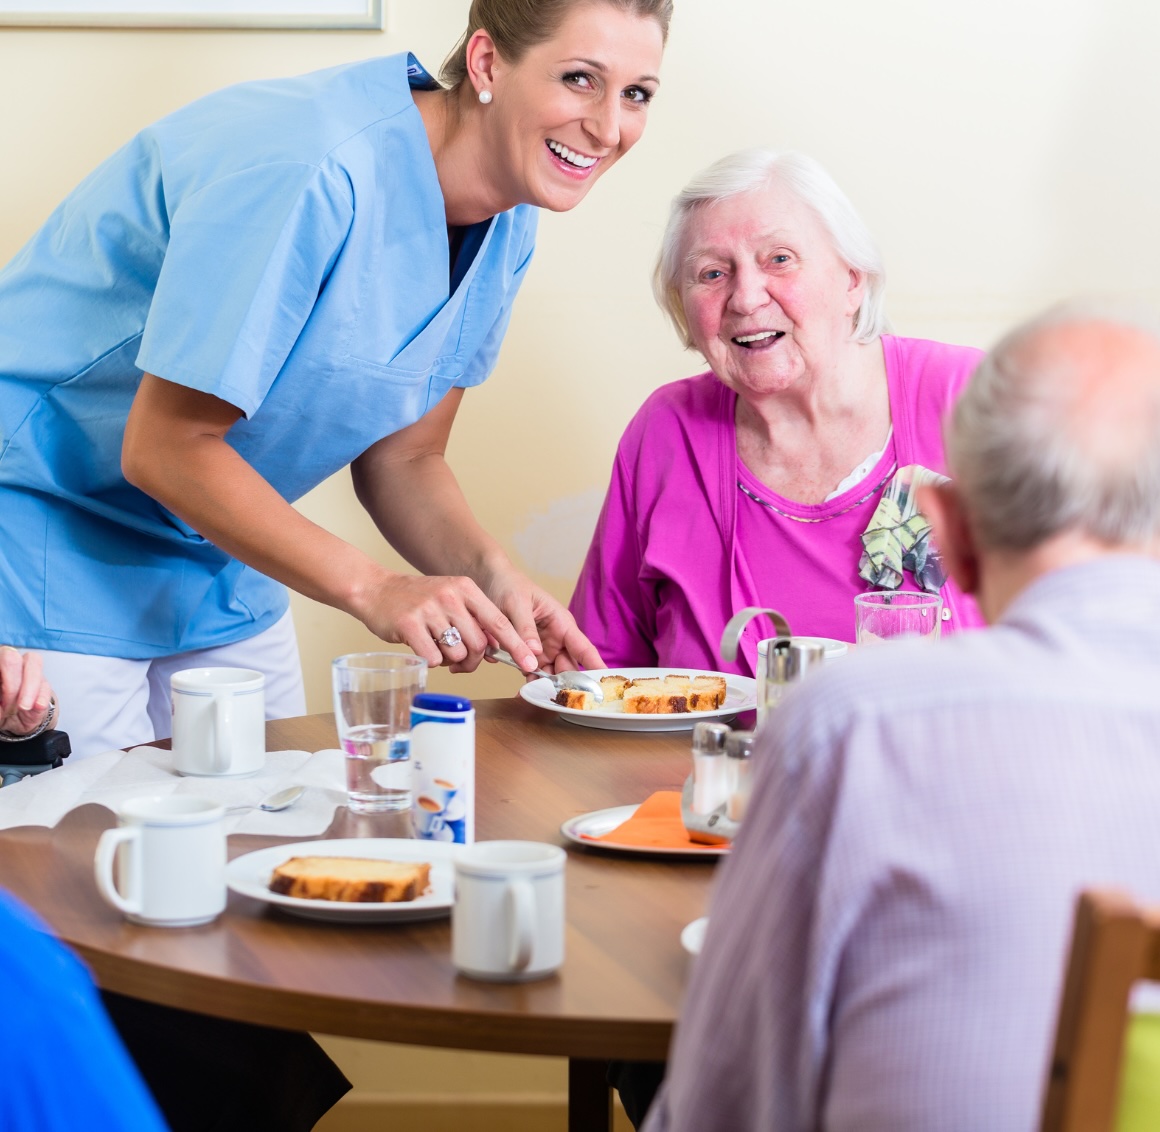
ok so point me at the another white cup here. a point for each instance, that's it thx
(507, 924)
(219, 721)
(171, 867)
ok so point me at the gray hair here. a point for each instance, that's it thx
(746, 171)
(1017, 449)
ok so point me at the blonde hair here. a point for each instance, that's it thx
(516, 25)
(746, 171)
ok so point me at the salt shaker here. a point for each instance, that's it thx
(710, 777)
(739, 768)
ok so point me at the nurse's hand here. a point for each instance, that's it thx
(25, 696)
(417, 611)
(549, 629)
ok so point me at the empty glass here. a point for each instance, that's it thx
(372, 711)
(889, 615)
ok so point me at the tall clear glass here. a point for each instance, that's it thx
(888, 615)
(372, 711)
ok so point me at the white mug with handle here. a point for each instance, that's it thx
(165, 862)
(219, 721)
(507, 924)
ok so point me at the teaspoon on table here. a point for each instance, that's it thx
(573, 681)
(280, 800)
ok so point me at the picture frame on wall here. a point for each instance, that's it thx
(312, 14)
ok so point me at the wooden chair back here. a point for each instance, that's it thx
(1114, 943)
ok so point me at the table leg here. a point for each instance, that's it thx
(589, 1096)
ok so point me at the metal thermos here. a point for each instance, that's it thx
(787, 660)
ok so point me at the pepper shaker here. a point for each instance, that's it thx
(739, 766)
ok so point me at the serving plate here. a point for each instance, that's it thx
(249, 875)
(740, 695)
(581, 829)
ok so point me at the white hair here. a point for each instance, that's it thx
(1018, 449)
(747, 171)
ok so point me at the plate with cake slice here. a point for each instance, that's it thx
(351, 880)
(649, 699)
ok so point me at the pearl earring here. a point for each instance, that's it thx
(485, 96)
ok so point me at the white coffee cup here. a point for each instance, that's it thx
(171, 867)
(507, 924)
(219, 721)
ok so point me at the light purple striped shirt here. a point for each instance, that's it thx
(887, 941)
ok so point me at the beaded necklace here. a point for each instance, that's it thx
(825, 519)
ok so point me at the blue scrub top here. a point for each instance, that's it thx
(281, 245)
(64, 1067)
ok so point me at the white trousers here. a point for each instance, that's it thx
(107, 702)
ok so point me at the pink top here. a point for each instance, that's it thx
(679, 547)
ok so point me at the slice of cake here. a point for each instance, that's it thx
(707, 693)
(574, 698)
(614, 687)
(356, 880)
(654, 697)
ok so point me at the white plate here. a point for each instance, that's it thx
(581, 829)
(834, 648)
(250, 875)
(693, 935)
(740, 695)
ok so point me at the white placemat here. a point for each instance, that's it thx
(116, 776)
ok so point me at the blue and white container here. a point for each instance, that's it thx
(443, 767)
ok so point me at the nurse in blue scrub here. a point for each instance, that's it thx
(279, 280)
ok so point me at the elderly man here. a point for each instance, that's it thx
(887, 943)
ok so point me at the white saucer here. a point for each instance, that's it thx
(584, 829)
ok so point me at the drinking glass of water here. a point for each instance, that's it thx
(372, 711)
(890, 615)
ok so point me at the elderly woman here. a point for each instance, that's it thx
(754, 483)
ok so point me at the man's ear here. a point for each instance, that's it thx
(943, 506)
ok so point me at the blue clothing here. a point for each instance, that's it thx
(281, 245)
(64, 1067)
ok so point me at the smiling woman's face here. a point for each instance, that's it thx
(573, 105)
(766, 297)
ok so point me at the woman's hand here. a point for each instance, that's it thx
(513, 613)
(416, 611)
(550, 630)
(24, 693)
(405, 485)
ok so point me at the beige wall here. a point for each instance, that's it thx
(1004, 153)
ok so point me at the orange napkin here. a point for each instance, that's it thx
(656, 824)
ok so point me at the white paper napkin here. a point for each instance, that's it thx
(112, 778)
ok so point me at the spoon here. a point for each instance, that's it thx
(573, 681)
(280, 800)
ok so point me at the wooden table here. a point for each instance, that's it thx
(616, 996)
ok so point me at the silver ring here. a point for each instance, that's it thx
(450, 637)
